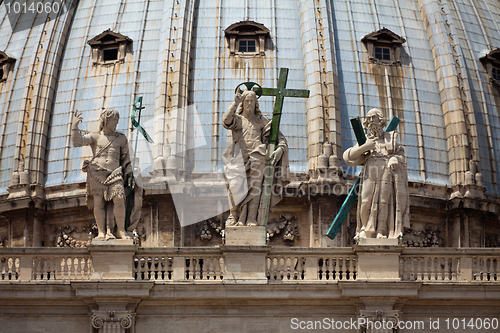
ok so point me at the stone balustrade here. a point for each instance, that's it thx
(186, 264)
(450, 265)
(298, 265)
(44, 264)
(326, 265)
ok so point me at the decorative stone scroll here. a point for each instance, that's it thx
(378, 321)
(112, 321)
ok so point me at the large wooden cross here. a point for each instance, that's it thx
(280, 92)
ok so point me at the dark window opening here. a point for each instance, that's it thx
(382, 53)
(495, 73)
(1, 73)
(110, 54)
(246, 46)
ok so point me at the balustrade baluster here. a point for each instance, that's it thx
(10, 263)
(69, 268)
(439, 269)
(288, 268)
(341, 268)
(488, 269)
(281, 268)
(447, 273)
(3, 268)
(156, 274)
(494, 269)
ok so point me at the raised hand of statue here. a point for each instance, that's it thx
(276, 155)
(77, 120)
(237, 98)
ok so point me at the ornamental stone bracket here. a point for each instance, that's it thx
(113, 321)
(112, 305)
(380, 321)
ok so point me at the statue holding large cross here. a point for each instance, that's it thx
(257, 160)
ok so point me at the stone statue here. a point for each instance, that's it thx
(383, 205)
(107, 172)
(245, 158)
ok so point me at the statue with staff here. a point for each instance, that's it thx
(109, 174)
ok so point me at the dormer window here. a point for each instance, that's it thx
(110, 54)
(491, 62)
(247, 38)
(6, 62)
(246, 45)
(383, 53)
(384, 46)
(495, 73)
(109, 47)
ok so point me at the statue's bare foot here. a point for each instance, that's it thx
(101, 236)
(240, 224)
(122, 234)
(109, 235)
(379, 235)
(231, 222)
(251, 223)
(362, 234)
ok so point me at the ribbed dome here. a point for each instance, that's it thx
(179, 55)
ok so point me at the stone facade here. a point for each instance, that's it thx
(174, 277)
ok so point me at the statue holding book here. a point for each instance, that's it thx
(383, 205)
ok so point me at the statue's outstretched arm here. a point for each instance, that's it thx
(228, 118)
(77, 138)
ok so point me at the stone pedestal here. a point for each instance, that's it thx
(112, 259)
(245, 264)
(245, 254)
(242, 236)
(378, 259)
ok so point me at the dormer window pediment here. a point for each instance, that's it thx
(109, 47)
(6, 62)
(384, 46)
(247, 38)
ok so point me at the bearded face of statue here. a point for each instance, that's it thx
(374, 121)
(375, 129)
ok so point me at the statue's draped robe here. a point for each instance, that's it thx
(245, 160)
(383, 203)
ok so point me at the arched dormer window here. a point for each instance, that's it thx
(247, 38)
(6, 62)
(109, 47)
(492, 63)
(384, 46)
